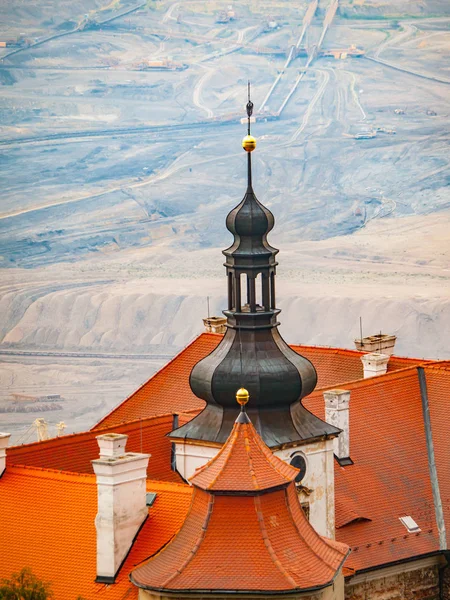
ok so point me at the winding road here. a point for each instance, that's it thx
(196, 96)
(317, 96)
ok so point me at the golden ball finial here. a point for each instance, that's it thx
(249, 143)
(242, 396)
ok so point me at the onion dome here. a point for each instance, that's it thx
(252, 349)
(270, 548)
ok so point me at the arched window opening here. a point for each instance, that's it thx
(251, 294)
(272, 290)
(237, 292)
(299, 462)
(259, 290)
(265, 292)
(231, 302)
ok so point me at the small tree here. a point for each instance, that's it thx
(24, 586)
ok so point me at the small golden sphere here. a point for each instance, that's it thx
(242, 396)
(249, 143)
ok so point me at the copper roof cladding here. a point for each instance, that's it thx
(249, 486)
(252, 349)
(168, 390)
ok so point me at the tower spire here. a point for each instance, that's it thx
(249, 109)
(252, 350)
(249, 142)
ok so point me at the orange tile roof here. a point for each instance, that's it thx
(50, 528)
(75, 452)
(438, 387)
(389, 477)
(168, 390)
(243, 464)
(270, 531)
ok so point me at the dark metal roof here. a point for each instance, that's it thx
(252, 353)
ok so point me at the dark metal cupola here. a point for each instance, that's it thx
(252, 350)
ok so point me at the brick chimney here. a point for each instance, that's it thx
(374, 364)
(337, 414)
(215, 324)
(4, 440)
(122, 509)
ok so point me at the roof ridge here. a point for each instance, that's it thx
(223, 449)
(249, 458)
(45, 472)
(443, 364)
(165, 366)
(355, 383)
(268, 543)
(311, 528)
(270, 455)
(90, 432)
(339, 350)
(197, 544)
(161, 485)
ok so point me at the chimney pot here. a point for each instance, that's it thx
(112, 444)
(380, 342)
(215, 324)
(4, 441)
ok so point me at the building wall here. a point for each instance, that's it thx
(410, 581)
(333, 592)
(317, 487)
(446, 584)
(190, 457)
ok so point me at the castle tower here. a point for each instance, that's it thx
(253, 351)
(245, 532)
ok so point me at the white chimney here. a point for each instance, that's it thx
(121, 489)
(4, 440)
(374, 364)
(337, 414)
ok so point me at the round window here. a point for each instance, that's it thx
(299, 462)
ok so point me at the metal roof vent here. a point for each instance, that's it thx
(150, 498)
(410, 524)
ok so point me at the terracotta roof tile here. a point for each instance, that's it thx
(438, 387)
(271, 545)
(209, 554)
(75, 452)
(168, 390)
(51, 528)
(390, 476)
(243, 464)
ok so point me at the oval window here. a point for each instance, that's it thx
(299, 463)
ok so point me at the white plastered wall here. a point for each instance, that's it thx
(190, 457)
(317, 487)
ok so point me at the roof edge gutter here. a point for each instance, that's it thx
(439, 513)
